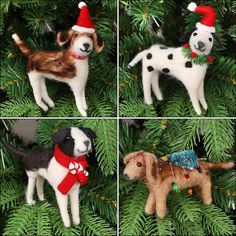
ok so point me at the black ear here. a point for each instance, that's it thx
(89, 132)
(218, 41)
(60, 135)
(187, 35)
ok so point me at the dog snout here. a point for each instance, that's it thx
(200, 44)
(86, 46)
(86, 143)
(126, 176)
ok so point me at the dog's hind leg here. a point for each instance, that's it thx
(156, 87)
(147, 82)
(30, 188)
(45, 95)
(206, 193)
(74, 201)
(62, 201)
(35, 81)
(39, 187)
(201, 96)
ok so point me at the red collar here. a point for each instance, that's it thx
(76, 170)
(74, 55)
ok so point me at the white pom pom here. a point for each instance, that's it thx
(192, 6)
(81, 4)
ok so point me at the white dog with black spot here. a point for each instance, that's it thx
(188, 64)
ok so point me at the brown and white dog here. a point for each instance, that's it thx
(69, 66)
(159, 179)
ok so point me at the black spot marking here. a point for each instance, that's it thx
(165, 70)
(188, 64)
(163, 47)
(170, 56)
(150, 68)
(149, 56)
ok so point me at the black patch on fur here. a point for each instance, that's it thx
(63, 139)
(163, 47)
(149, 56)
(63, 36)
(89, 132)
(188, 64)
(170, 56)
(165, 70)
(150, 68)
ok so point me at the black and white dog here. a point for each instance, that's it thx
(41, 164)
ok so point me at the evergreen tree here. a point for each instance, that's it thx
(97, 197)
(138, 31)
(213, 140)
(37, 22)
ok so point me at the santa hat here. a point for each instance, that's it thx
(84, 21)
(209, 17)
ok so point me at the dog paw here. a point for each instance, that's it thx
(129, 66)
(161, 215)
(148, 102)
(41, 198)
(44, 107)
(149, 211)
(85, 106)
(67, 224)
(31, 202)
(51, 104)
(76, 221)
(83, 113)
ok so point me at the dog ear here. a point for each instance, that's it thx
(187, 35)
(151, 166)
(218, 41)
(98, 43)
(60, 135)
(131, 155)
(89, 132)
(64, 36)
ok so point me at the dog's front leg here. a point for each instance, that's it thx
(62, 201)
(161, 209)
(150, 204)
(202, 96)
(74, 202)
(39, 187)
(85, 106)
(147, 80)
(78, 93)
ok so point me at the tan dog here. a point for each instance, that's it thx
(159, 179)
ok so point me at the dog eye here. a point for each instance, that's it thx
(194, 34)
(75, 35)
(91, 37)
(210, 39)
(139, 164)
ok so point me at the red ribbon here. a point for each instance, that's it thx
(76, 170)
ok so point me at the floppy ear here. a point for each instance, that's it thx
(187, 35)
(60, 135)
(98, 43)
(151, 166)
(218, 41)
(89, 132)
(130, 156)
(64, 37)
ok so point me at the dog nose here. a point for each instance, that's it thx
(86, 143)
(201, 44)
(126, 176)
(86, 45)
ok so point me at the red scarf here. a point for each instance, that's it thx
(76, 56)
(76, 170)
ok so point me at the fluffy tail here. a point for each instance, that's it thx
(25, 50)
(138, 58)
(15, 151)
(215, 166)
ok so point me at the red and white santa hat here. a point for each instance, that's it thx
(209, 17)
(84, 22)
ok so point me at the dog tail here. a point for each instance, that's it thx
(25, 50)
(215, 166)
(137, 58)
(15, 151)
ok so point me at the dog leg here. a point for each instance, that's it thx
(206, 193)
(85, 106)
(193, 93)
(39, 187)
(151, 204)
(147, 80)
(155, 86)
(202, 96)
(62, 201)
(161, 206)
(74, 202)
(36, 86)
(78, 93)
(45, 95)
(30, 190)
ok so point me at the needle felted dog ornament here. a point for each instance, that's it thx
(69, 66)
(187, 64)
(64, 169)
(176, 171)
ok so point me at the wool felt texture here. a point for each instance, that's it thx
(76, 170)
(160, 179)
